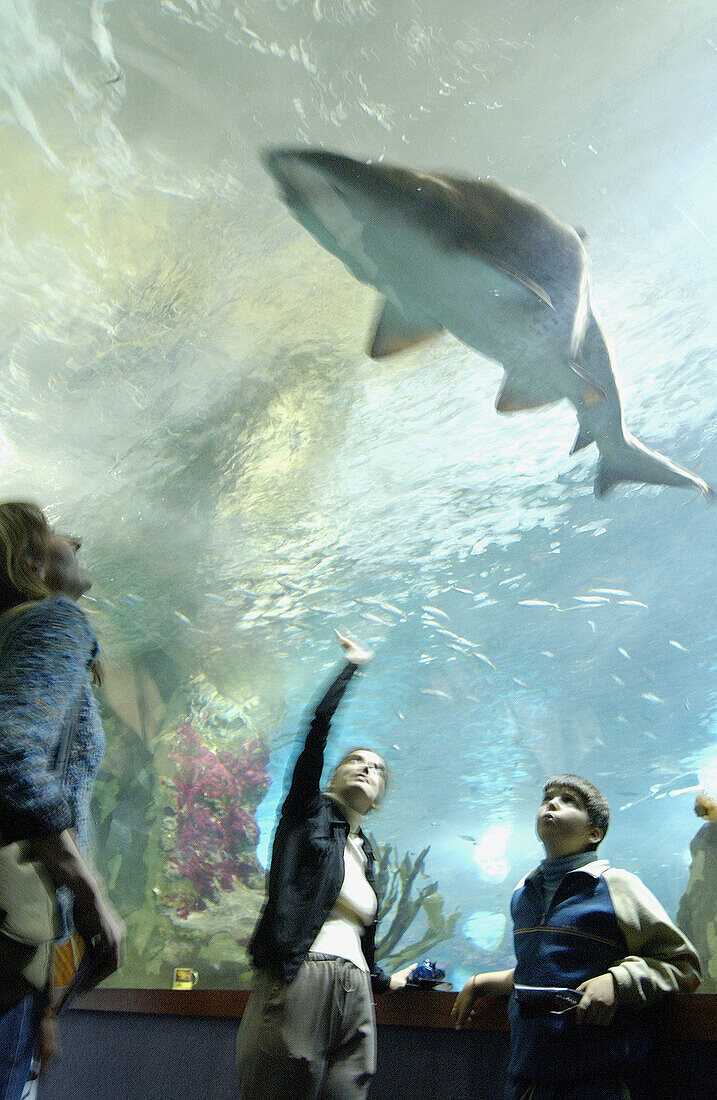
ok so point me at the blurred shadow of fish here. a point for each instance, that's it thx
(490, 265)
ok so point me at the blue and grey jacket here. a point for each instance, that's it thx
(46, 655)
(307, 861)
(601, 919)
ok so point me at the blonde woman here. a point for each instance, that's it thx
(48, 660)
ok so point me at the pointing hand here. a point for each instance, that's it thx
(354, 651)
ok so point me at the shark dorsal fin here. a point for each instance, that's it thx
(394, 333)
(514, 397)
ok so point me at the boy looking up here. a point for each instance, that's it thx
(581, 924)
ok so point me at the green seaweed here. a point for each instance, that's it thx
(407, 893)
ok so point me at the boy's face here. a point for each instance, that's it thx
(562, 823)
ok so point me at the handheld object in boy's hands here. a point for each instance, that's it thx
(546, 1000)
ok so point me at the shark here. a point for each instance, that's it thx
(488, 264)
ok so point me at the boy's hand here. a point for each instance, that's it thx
(598, 1003)
(463, 1009)
(496, 982)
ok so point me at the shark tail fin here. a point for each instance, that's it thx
(632, 461)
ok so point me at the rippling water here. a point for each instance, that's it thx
(184, 381)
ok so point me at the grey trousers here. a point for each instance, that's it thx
(310, 1039)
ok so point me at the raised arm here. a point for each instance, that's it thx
(305, 788)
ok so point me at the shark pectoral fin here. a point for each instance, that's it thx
(592, 392)
(394, 333)
(512, 397)
(583, 439)
(508, 269)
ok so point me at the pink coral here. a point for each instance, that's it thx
(216, 831)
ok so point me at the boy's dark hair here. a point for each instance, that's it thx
(596, 805)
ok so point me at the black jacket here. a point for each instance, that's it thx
(307, 862)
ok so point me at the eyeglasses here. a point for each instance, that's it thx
(372, 765)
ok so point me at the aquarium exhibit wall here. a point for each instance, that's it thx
(186, 385)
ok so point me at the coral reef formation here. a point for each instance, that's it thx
(215, 833)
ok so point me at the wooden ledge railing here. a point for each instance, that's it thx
(679, 1017)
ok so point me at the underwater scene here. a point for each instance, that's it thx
(395, 317)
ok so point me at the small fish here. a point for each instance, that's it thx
(611, 591)
(435, 611)
(537, 603)
(678, 646)
(383, 605)
(632, 603)
(591, 599)
(618, 680)
(371, 618)
(289, 585)
(591, 624)
(546, 653)
(651, 698)
(397, 748)
(182, 618)
(391, 607)
(436, 692)
(624, 653)
(446, 632)
(401, 716)
(456, 637)
(482, 657)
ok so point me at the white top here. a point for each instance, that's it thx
(355, 909)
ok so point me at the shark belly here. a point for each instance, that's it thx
(436, 287)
